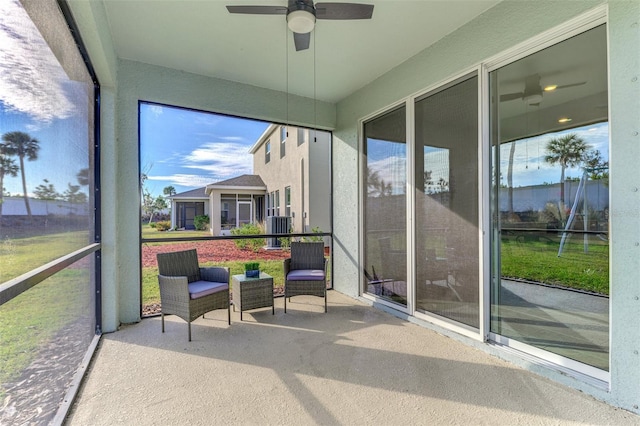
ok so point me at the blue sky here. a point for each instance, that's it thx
(189, 149)
(389, 159)
(37, 97)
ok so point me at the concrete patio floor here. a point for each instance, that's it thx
(352, 365)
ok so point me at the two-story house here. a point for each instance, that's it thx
(291, 179)
(293, 162)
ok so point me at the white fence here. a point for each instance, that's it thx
(14, 206)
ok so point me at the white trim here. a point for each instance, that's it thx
(570, 367)
(410, 186)
(449, 324)
(384, 302)
(579, 24)
(484, 202)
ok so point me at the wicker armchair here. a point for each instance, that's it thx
(188, 291)
(305, 272)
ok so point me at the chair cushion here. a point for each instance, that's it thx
(199, 289)
(306, 275)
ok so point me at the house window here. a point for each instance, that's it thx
(267, 152)
(277, 204)
(271, 202)
(224, 213)
(282, 147)
(301, 135)
(283, 133)
(287, 201)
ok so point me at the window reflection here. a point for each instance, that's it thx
(385, 228)
(447, 249)
(550, 151)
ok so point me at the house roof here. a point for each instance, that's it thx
(265, 135)
(242, 182)
(245, 182)
(194, 193)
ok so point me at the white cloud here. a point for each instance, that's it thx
(31, 80)
(190, 181)
(220, 159)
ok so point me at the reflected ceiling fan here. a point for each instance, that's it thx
(302, 15)
(533, 90)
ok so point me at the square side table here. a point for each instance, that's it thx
(252, 293)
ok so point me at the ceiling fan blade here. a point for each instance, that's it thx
(258, 10)
(511, 96)
(343, 11)
(564, 86)
(301, 41)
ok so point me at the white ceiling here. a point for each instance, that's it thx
(201, 37)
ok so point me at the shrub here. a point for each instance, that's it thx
(316, 238)
(254, 244)
(152, 225)
(163, 226)
(201, 222)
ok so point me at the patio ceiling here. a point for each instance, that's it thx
(201, 37)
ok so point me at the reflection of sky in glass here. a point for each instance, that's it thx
(36, 97)
(529, 167)
(389, 159)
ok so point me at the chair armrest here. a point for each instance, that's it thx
(218, 274)
(287, 267)
(173, 288)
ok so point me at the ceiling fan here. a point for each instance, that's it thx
(302, 15)
(533, 90)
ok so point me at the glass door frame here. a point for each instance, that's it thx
(491, 258)
(362, 164)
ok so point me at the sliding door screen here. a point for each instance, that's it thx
(446, 204)
(385, 206)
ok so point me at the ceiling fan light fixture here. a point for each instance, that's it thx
(301, 21)
(550, 88)
(564, 120)
(533, 99)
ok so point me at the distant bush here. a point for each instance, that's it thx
(201, 222)
(152, 225)
(163, 226)
(254, 244)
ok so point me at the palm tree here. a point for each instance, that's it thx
(567, 151)
(169, 191)
(8, 167)
(21, 145)
(83, 177)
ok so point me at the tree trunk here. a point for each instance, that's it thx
(510, 177)
(24, 188)
(562, 186)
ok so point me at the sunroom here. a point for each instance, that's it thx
(450, 125)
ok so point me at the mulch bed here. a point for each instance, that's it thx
(210, 251)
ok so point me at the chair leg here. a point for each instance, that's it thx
(162, 320)
(189, 326)
(229, 314)
(325, 301)
(285, 303)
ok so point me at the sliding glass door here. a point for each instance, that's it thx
(385, 207)
(446, 202)
(550, 201)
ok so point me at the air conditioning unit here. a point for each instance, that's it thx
(277, 225)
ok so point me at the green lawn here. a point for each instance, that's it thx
(33, 318)
(537, 260)
(149, 232)
(20, 255)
